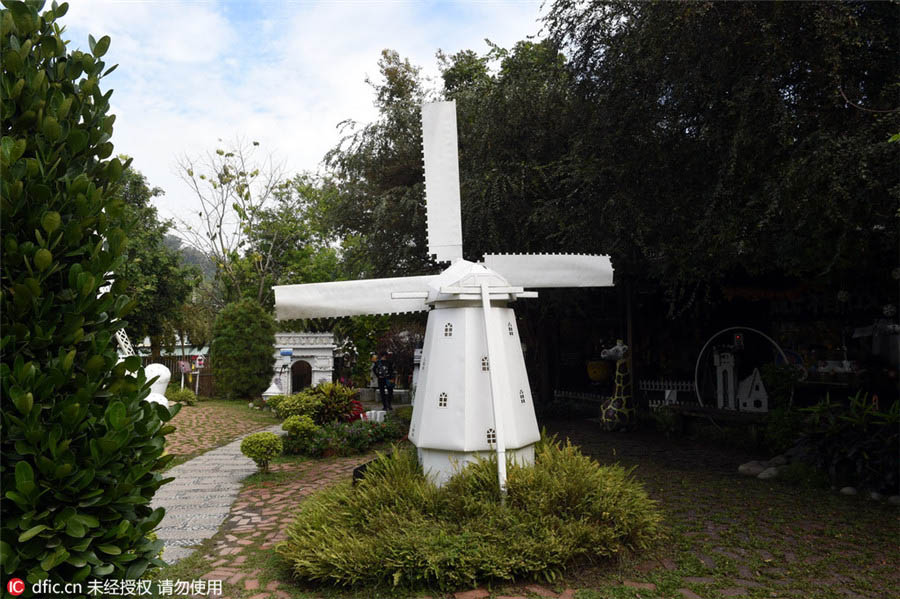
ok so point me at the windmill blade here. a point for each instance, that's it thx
(442, 181)
(350, 298)
(552, 270)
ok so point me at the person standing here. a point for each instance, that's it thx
(383, 369)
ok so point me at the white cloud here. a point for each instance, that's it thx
(284, 74)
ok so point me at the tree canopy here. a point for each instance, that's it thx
(740, 139)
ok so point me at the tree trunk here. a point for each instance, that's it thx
(155, 347)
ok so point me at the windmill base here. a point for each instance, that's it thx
(439, 465)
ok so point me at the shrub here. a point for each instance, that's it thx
(344, 439)
(298, 426)
(242, 351)
(800, 474)
(300, 430)
(402, 415)
(185, 396)
(274, 401)
(855, 443)
(665, 420)
(397, 529)
(299, 404)
(261, 447)
(783, 428)
(324, 403)
(81, 450)
(336, 402)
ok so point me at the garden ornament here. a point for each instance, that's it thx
(616, 411)
(161, 371)
(472, 397)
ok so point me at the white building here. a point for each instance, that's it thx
(303, 360)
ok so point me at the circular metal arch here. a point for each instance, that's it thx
(725, 330)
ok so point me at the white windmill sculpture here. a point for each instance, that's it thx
(473, 396)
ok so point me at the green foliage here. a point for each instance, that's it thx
(402, 414)
(298, 404)
(274, 401)
(324, 403)
(81, 450)
(298, 426)
(396, 529)
(666, 420)
(689, 170)
(351, 438)
(779, 380)
(855, 442)
(261, 448)
(158, 283)
(185, 396)
(300, 431)
(242, 351)
(783, 428)
(801, 474)
(334, 401)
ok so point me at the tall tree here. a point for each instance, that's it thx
(232, 186)
(378, 210)
(156, 280)
(726, 140)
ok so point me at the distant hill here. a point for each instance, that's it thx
(191, 255)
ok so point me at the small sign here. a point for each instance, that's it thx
(200, 362)
(184, 366)
(287, 352)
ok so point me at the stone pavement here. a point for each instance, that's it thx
(211, 424)
(258, 520)
(200, 497)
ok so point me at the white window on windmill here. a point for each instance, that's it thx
(485, 365)
(510, 327)
(521, 396)
(442, 400)
(448, 330)
(491, 436)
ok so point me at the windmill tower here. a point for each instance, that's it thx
(473, 397)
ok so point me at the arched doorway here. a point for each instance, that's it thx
(301, 376)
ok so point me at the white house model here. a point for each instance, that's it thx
(472, 396)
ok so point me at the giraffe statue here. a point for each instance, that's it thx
(616, 411)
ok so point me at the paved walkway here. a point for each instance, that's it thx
(200, 497)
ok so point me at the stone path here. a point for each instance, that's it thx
(200, 497)
(257, 523)
(211, 424)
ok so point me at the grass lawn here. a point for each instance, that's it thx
(727, 535)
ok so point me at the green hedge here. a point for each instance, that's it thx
(81, 450)
(395, 529)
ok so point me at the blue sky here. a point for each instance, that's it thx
(283, 73)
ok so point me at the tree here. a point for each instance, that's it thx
(378, 210)
(157, 281)
(233, 187)
(288, 244)
(81, 450)
(243, 350)
(717, 141)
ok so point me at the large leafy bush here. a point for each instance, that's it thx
(81, 450)
(243, 350)
(855, 443)
(325, 403)
(397, 529)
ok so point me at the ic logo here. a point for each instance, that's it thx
(15, 586)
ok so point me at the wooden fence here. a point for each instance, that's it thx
(202, 382)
